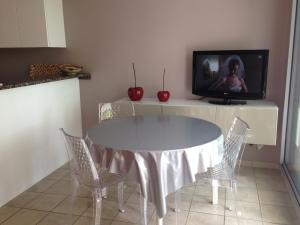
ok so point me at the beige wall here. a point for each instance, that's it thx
(107, 35)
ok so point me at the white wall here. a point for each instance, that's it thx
(31, 146)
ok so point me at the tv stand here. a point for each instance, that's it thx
(261, 115)
(228, 101)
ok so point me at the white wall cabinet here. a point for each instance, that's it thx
(31, 23)
(261, 115)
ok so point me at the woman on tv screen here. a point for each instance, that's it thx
(231, 77)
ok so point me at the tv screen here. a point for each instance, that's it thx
(230, 74)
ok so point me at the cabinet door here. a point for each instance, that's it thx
(141, 109)
(9, 34)
(261, 120)
(205, 113)
(32, 23)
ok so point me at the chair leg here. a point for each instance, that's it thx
(121, 197)
(237, 210)
(177, 200)
(104, 193)
(97, 204)
(160, 221)
(230, 207)
(215, 196)
(73, 196)
(235, 205)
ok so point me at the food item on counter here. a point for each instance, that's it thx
(70, 69)
(44, 70)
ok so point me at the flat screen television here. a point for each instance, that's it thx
(230, 74)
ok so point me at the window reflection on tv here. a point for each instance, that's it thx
(239, 73)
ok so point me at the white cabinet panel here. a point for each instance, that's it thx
(141, 109)
(261, 120)
(55, 23)
(9, 33)
(206, 113)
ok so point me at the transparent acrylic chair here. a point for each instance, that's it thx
(115, 109)
(119, 109)
(109, 111)
(226, 173)
(88, 174)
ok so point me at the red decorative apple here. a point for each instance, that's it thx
(163, 95)
(135, 93)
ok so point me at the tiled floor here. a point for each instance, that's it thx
(262, 199)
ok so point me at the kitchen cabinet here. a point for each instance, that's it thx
(31, 23)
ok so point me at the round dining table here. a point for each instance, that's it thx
(161, 153)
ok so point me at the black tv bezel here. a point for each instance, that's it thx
(232, 95)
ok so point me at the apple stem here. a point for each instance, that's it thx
(164, 79)
(134, 74)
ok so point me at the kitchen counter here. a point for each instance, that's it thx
(27, 82)
(31, 145)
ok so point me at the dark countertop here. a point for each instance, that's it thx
(30, 81)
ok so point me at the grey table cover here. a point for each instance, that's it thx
(161, 153)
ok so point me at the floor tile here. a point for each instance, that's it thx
(263, 196)
(246, 171)
(245, 181)
(73, 205)
(274, 198)
(265, 223)
(45, 202)
(235, 221)
(88, 221)
(133, 214)
(204, 219)
(112, 194)
(42, 186)
(58, 174)
(171, 218)
(263, 172)
(274, 184)
(6, 212)
(183, 201)
(266, 165)
(109, 210)
(207, 191)
(203, 204)
(246, 163)
(187, 190)
(66, 166)
(279, 214)
(244, 210)
(58, 219)
(23, 199)
(134, 198)
(122, 223)
(244, 194)
(25, 217)
(61, 187)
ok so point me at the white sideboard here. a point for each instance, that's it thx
(31, 23)
(261, 115)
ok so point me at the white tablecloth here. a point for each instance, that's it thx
(161, 153)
